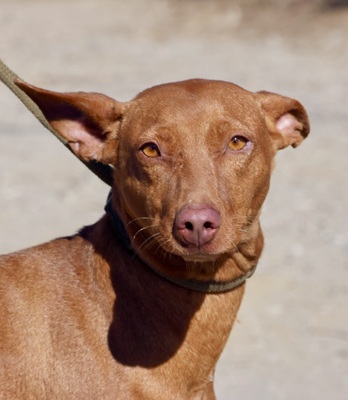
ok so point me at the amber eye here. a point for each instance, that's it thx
(237, 143)
(150, 150)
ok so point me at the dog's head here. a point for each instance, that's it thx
(192, 162)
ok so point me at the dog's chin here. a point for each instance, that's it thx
(199, 257)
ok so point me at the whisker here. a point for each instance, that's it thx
(165, 243)
(143, 229)
(148, 243)
(138, 219)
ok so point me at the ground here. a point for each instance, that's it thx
(291, 339)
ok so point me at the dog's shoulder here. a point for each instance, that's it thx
(34, 268)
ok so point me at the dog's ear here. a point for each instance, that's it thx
(286, 119)
(89, 122)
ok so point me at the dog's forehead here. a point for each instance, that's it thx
(195, 102)
(196, 94)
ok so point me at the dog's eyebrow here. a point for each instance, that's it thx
(228, 125)
(159, 132)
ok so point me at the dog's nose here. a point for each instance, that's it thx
(196, 225)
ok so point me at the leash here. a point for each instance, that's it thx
(213, 287)
(8, 77)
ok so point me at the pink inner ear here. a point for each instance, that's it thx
(287, 124)
(84, 144)
(290, 128)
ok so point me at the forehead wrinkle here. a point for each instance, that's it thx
(227, 126)
(182, 115)
(160, 132)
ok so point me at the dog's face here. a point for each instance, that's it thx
(198, 146)
(192, 160)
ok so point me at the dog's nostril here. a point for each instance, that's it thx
(208, 225)
(189, 226)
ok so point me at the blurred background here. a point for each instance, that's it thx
(291, 338)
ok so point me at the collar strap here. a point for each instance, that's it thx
(191, 284)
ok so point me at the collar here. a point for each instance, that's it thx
(190, 284)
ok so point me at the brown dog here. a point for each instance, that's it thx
(140, 304)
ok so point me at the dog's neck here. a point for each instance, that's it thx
(210, 286)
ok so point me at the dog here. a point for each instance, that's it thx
(140, 304)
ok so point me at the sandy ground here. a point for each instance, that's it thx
(291, 341)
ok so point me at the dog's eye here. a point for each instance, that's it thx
(237, 143)
(150, 150)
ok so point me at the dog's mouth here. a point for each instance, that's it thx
(173, 250)
(207, 254)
